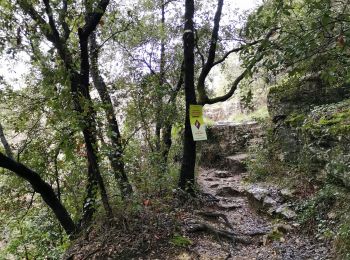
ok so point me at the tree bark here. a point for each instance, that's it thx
(159, 109)
(4, 142)
(89, 129)
(43, 188)
(168, 124)
(186, 181)
(116, 155)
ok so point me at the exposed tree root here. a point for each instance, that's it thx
(219, 233)
(216, 215)
(209, 197)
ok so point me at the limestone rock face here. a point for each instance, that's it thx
(312, 126)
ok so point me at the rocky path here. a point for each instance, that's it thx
(257, 218)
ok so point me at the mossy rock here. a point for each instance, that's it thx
(300, 94)
(331, 119)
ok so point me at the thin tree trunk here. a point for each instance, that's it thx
(168, 124)
(159, 109)
(186, 181)
(167, 141)
(116, 155)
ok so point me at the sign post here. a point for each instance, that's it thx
(197, 123)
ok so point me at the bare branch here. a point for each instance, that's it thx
(258, 57)
(114, 34)
(233, 51)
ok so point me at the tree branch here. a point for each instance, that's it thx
(5, 143)
(179, 84)
(258, 57)
(43, 188)
(29, 9)
(92, 19)
(52, 23)
(114, 34)
(198, 49)
(211, 53)
(233, 51)
(62, 18)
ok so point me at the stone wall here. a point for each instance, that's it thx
(226, 140)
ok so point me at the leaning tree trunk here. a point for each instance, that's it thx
(186, 181)
(43, 188)
(116, 155)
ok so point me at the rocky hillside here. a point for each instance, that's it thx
(307, 148)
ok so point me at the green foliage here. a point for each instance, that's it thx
(180, 241)
(307, 53)
(332, 119)
(342, 239)
(316, 209)
(328, 212)
(35, 235)
(310, 36)
(263, 162)
(295, 119)
(146, 170)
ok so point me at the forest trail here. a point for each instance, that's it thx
(231, 218)
(253, 221)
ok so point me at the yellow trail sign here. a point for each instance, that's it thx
(197, 123)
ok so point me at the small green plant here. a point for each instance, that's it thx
(180, 241)
(342, 240)
(317, 208)
(295, 119)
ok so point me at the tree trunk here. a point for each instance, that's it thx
(167, 142)
(79, 84)
(116, 155)
(89, 124)
(186, 181)
(160, 95)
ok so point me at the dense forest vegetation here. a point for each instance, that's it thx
(96, 128)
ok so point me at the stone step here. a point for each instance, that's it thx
(228, 192)
(270, 200)
(236, 163)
